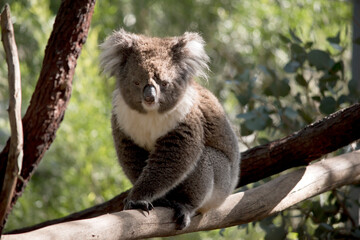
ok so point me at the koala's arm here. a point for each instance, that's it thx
(174, 157)
(132, 158)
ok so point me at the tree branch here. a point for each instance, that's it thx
(312, 142)
(322, 137)
(255, 204)
(53, 89)
(13, 164)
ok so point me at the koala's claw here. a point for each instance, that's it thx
(141, 204)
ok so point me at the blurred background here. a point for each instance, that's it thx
(275, 65)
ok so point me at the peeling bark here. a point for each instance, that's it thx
(13, 164)
(53, 89)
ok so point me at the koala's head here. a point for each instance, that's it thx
(153, 73)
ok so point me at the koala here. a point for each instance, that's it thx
(172, 137)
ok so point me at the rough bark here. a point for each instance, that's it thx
(355, 72)
(13, 164)
(53, 89)
(310, 143)
(240, 208)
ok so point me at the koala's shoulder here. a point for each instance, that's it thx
(207, 102)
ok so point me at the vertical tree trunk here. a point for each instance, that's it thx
(53, 89)
(355, 191)
(356, 47)
(15, 156)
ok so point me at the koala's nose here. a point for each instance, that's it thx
(149, 93)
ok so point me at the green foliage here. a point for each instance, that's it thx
(318, 85)
(310, 85)
(276, 66)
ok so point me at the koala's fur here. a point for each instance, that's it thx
(171, 135)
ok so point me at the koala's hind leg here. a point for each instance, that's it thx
(202, 189)
(225, 177)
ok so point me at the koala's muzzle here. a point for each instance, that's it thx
(149, 93)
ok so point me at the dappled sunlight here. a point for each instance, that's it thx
(277, 66)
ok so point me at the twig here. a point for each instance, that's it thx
(14, 161)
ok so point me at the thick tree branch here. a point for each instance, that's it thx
(53, 89)
(13, 165)
(257, 163)
(248, 206)
(312, 142)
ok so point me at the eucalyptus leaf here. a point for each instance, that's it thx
(244, 131)
(279, 88)
(308, 45)
(328, 105)
(301, 80)
(290, 113)
(328, 82)
(257, 124)
(291, 67)
(284, 39)
(298, 53)
(335, 40)
(283, 88)
(247, 115)
(257, 119)
(320, 59)
(298, 98)
(243, 99)
(316, 98)
(338, 66)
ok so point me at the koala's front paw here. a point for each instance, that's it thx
(141, 204)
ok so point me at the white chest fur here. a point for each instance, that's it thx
(145, 129)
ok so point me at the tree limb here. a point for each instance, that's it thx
(298, 149)
(53, 89)
(312, 142)
(13, 164)
(255, 204)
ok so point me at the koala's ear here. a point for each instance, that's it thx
(115, 49)
(188, 51)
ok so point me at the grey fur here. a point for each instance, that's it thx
(178, 149)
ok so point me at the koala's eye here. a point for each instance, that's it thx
(164, 84)
(136, 83)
